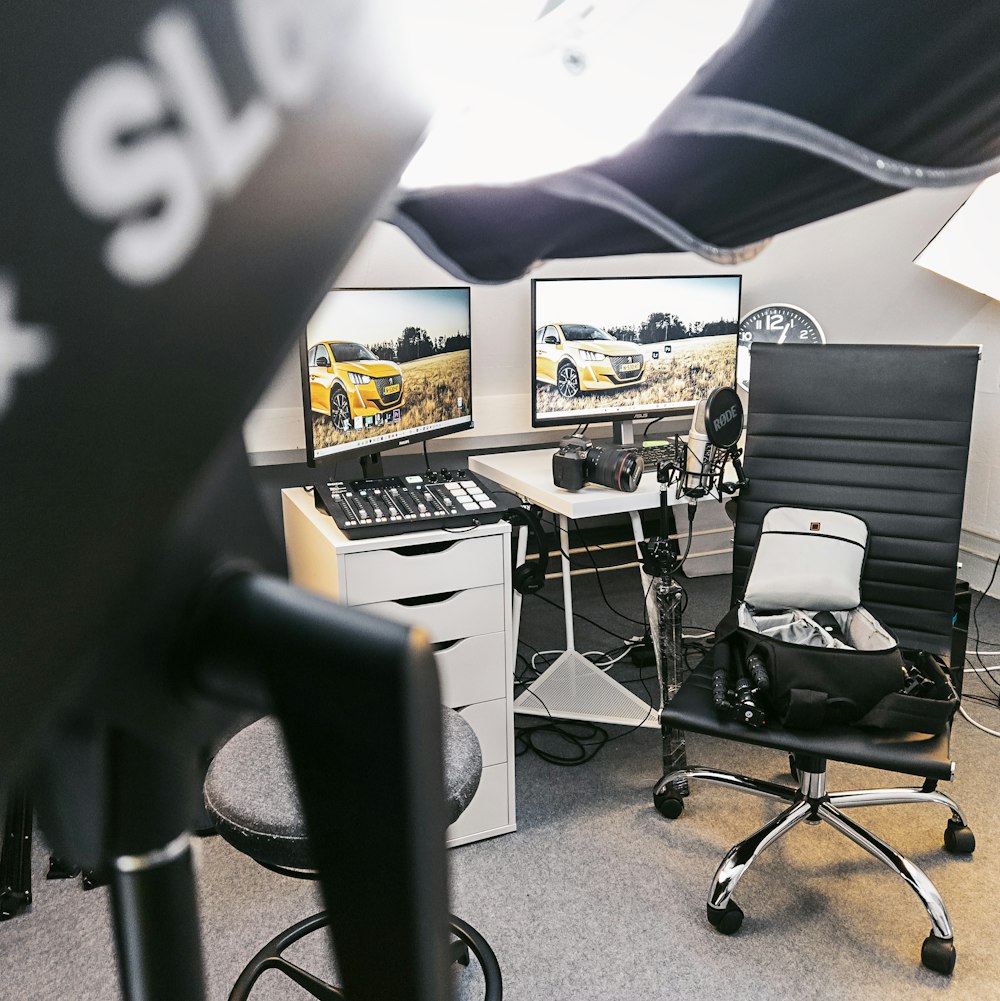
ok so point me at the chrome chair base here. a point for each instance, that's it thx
(812, 803)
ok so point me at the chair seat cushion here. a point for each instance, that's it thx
(693, 709)
(251, 797)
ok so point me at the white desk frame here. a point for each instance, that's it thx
(572, 687)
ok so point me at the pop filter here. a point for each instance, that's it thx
(724, 417)
(723, 427)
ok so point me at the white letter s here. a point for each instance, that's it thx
(118, 162)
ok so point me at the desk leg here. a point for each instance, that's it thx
(572, 687)
(567, 579)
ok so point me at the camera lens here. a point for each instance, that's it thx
(618, 468)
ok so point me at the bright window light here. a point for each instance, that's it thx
(538, 94)
(448, 50)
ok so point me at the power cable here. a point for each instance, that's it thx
(975, 620)
(580, 615)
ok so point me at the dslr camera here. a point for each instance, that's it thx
(579, 461)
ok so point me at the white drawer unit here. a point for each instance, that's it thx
(457, 588)
(489, 720)
(406, 571)
(472, 669)
(450, 614)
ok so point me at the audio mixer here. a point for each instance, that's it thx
(442, 498)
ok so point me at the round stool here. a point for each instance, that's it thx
(251, 797)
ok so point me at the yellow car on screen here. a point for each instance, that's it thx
(346, 381)
(579, 358)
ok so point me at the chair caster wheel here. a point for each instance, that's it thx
(938, 954)
(958, 839)
(668, 804)
(726, 919)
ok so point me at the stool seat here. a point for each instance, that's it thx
(250, 791)
(251, 797)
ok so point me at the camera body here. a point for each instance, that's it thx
(569, 462)
(579, 461)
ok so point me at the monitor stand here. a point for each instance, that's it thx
(623, 433)
(371, 466)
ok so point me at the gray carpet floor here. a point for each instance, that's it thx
(597, 896)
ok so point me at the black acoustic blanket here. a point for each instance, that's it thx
(809, 110)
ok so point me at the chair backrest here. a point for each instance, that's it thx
(879, 431)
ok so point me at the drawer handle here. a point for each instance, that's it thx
(423, 548)
(426, 599)
(445, 645)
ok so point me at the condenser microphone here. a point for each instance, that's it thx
(715, 430)
(700, 456)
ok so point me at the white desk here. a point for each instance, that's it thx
(572, 687)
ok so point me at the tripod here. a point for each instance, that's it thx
(665, 605)
(15, 856)
(666, 598)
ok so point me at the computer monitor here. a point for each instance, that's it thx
(622, 349)
(383, 367)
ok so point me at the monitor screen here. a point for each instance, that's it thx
(608, 349)
(384, 367)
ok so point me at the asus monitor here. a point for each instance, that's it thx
(622, 349)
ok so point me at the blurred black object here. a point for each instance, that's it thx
(180, 186)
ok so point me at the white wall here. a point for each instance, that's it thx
(853, 272)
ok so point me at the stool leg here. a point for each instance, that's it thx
(270, 958)
(480, 948)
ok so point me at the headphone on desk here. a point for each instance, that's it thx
(529, 578)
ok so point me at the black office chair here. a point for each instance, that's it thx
(881, 432)
(251, 797)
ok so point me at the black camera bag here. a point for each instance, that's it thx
(807, 562)
(930, 711)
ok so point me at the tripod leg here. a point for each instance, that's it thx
(152, 880)
(59, 868)
(665, 612)
(15, 857)
(156, 924)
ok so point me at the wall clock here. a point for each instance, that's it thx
(776, 323)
